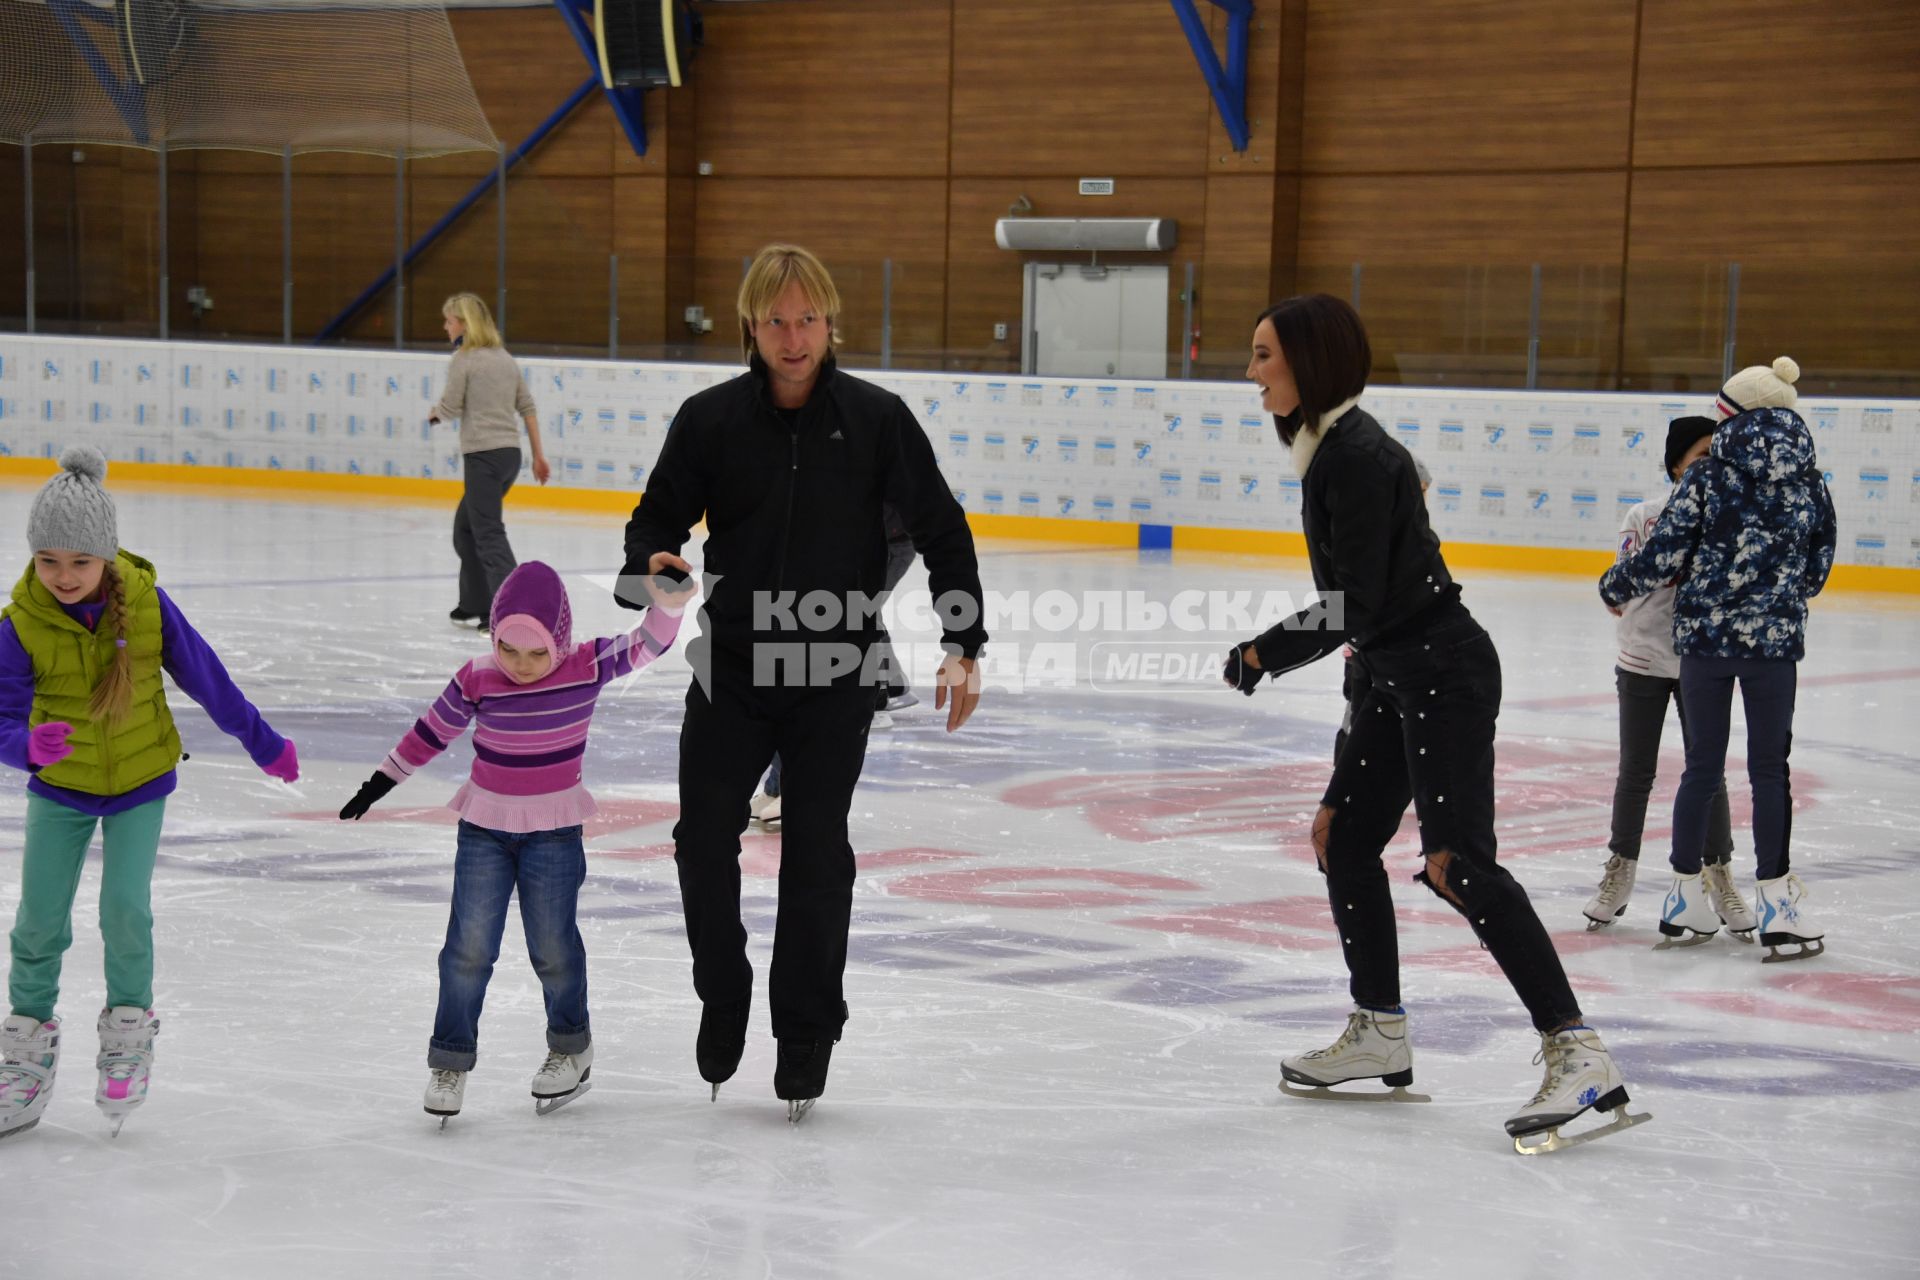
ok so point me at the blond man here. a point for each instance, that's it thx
(790, 464)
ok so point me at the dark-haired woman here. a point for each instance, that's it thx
(1423, 731)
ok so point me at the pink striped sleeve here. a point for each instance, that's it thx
(646, 642)
(431, 734)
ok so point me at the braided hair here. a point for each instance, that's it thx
(113, 696)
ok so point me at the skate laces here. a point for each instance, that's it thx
(446, 1077)
(1356, 1027)
(1720, 878)
(1613, 879)
(555, 1064)
(1559, 1057)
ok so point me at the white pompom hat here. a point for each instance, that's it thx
(1759, 386)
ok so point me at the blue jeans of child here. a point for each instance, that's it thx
(548, 868)
(1767, 688)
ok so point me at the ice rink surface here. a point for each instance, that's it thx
(1087, 928)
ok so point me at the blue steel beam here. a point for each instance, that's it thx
(336, 325)
(127, 99)
(629, 104)
(1227, 84)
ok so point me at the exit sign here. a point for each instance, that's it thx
(1096, 186)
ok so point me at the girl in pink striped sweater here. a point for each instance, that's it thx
(520, 818)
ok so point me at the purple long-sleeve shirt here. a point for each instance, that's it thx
(184, 655)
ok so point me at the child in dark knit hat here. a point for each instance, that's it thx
(1749, 537)
(531, 701)
(1647, 677)
(83, 709)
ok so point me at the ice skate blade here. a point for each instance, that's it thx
(1677, 944)
(1595, 926)
(1554, 1142)
(1397, 1094)
(716, 1094)
(1742, 936)
(547, 1106)
(797, 1109)
(1808, 950)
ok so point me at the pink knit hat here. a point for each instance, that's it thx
(530, 611)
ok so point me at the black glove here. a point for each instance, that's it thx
(370, 793)
(1238, 674)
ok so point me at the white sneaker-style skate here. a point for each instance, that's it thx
(446, 1093)
(1687, 918)
(902, 700)
(1781, 906)
(1580, 1076)
(765, 810)
(29, 1055)
(1609, 903)
(125, 1062)
(1717, 880)
(1373, 1047)
(561, 1079)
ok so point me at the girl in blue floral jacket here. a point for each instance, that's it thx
(1749, 535)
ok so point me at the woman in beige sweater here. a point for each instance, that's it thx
(489, 397)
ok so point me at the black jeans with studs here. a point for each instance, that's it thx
(1423, 734)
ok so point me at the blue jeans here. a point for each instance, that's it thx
(548, 868)
(1767, 687)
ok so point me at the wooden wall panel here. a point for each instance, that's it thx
(239, 243)
(800, 89)
(1446, 269)
(1065, 87)
(984, 280)
(523, 64)
(852, 227)
(640, 214)
(1830, 268)
(1767, 82)
(1487, 85)
(1236, 276)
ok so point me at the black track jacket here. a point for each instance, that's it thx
(798, 508)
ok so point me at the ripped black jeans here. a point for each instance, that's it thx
(1423, 732)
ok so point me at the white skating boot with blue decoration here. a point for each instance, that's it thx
(1580, 1077)
(1687, 918)
(1784, 922)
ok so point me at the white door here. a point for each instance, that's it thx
(1095, 321)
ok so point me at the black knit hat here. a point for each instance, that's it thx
(1682, 435)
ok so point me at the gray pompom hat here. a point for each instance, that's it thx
(72, 512)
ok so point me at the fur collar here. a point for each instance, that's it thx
(1307, 443)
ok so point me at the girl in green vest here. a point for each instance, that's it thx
(82, 709)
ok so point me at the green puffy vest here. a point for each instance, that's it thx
(68, 663)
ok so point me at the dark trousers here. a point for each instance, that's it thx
(1767, 688)
(726, 742)
(900, 555)
(547, 868)
(1424, 733)
(479, 530)
(1643, 716)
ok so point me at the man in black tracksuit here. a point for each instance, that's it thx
(789, 464)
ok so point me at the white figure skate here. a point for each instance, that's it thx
(446, 1093)
(1609, 903)
(1784, 922)
(561, 1079)
(1580, 1076)
(1727, 903)
(1687, 919)
(1373, 1047)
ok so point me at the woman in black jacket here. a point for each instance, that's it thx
(1423, 731)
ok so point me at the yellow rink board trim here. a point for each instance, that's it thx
(1261, 542)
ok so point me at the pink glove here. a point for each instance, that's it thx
(287, 767)
(47, 743)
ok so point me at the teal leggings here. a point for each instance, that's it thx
(57, 840)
